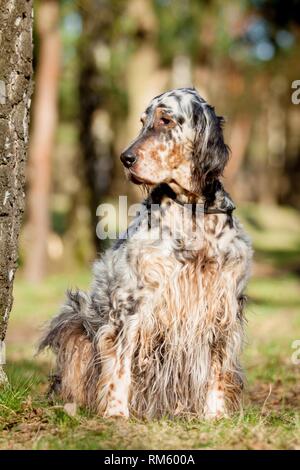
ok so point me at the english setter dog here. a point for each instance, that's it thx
(161, 331)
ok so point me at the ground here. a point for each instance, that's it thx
(271, 417)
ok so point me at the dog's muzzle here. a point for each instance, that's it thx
(128, 159)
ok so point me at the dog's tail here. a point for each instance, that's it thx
(70, 318)
(69, 338)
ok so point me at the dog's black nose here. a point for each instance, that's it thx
(128, 159)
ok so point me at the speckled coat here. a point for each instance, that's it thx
(161, 330)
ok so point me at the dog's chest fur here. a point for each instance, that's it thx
(172, 286)
(180, 244)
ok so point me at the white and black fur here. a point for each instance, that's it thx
(161, 331)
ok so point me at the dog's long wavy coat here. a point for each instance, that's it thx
(161, 330)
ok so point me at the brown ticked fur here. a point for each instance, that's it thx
(161, 331)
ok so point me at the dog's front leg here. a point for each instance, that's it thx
(224, 394)
(225, 385)
(215, 406)
(116, 345)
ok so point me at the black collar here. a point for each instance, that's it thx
(164, 190)
(203, 208)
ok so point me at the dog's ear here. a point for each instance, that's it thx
(210, 154)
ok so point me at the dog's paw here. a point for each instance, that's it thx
(215, 415)
(116, 410)
(215, 405)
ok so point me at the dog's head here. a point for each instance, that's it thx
(181, 143)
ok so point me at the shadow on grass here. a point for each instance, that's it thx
(276, 303)
(275, 397)
(284, 260)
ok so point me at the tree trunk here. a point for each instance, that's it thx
(96, 135)
(238, 143)
(42, 139)
(15, 91)
(144, 79)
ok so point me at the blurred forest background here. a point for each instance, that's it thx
(97, 64)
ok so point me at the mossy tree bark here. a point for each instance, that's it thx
(15, 91)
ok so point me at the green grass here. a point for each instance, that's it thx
(271, 417)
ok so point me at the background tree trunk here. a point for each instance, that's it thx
(42, 139)
(238, 142)
(15, 91)
(96, 134)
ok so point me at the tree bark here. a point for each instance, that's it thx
(15, 91)
(42, 139)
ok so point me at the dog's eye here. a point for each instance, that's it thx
(164, 121)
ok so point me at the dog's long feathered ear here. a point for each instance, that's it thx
(210, 151)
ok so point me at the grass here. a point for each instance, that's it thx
(271, 417)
